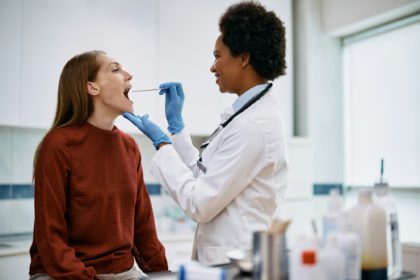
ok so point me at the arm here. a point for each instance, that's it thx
(186, 150)
(51, 174)
(148, 251)
(233, 166)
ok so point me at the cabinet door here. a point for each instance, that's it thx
(53, 32)
(188, 30)
(14, 267)
(177, 252)
(10, 26)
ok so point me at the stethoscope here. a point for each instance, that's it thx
(225, 123)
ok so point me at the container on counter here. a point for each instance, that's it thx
(369, 221)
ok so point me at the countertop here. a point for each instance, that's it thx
(19, 244)
(15, 245)
(233, 274)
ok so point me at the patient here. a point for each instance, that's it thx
(93, 215)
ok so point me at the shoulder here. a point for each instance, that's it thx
(129, 142)
(55, 144)
(127, 138)
(263, 120)
(57, 137)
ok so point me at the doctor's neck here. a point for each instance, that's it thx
(250, 83)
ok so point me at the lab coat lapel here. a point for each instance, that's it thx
(227, 113)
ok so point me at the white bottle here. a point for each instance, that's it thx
(349, 243)
(331, 259)
(369, 221)
(331, 217)
(385, 200)
(309, 265)
(303, 258)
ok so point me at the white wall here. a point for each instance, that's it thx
(343, 17)
(156, 41)
(318, 91)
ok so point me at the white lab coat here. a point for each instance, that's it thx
(246, 173)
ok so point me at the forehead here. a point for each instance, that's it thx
(219, 45)
(105, 60)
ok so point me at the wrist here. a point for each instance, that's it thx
(161, 145)
(164, 139)
(176, 127)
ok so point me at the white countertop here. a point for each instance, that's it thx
(20, 245)
(17, 247)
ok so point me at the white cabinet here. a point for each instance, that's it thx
(178, 249)
(10, 26)
(156, 41)
(186, 42)
(299, 178)
(14, 267)
(53, 32)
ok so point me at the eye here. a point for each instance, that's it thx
(115, 69)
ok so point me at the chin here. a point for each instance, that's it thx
(129, 109)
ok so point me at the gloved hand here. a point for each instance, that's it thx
(149, 128)
(174, 100)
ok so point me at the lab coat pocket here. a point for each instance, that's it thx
(216, 255)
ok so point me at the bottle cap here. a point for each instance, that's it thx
(335, 202)
(309, 257)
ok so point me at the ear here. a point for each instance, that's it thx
(245, 59)
(92, 88)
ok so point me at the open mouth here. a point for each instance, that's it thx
(126, 90)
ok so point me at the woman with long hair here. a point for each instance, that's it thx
(93, 215)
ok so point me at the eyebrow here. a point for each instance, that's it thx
(115, 63)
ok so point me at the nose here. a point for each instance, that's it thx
(128, 76)
(212, 69)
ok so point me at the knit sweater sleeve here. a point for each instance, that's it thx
(50, 231)
(149, 253)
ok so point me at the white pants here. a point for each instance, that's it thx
(131, 274)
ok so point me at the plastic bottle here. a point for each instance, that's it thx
(331, 259)
(301, 262)
(386, 201)
(310, 267)
(331, 217)
(369, 222)
(349, 243)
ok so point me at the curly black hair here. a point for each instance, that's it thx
(247, 27)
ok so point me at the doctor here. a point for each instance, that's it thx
(229, 187)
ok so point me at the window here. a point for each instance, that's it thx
(382, 105)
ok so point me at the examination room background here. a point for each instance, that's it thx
(351, 96)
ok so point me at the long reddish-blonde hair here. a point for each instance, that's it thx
(74, 104)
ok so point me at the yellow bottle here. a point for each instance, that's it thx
(368, 220)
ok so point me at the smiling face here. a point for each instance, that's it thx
(110, 88)
(228, 69)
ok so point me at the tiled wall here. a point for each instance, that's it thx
(17, 147)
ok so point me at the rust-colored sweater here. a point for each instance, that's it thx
(92, 210)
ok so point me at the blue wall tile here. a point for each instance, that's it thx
(16, 191)
(324, 189)
(5, 191)
(23, 191)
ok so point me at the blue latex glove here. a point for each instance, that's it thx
(174, 100)
(149, 128)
